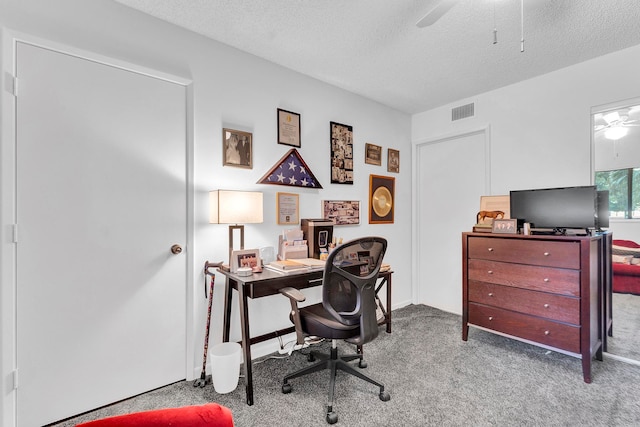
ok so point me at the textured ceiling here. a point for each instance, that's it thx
(374, 48)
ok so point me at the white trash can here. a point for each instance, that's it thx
(225, 366)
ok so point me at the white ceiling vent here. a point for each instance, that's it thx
(462, 112)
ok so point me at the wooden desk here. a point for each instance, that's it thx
(269, 283)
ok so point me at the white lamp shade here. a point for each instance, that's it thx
(235, 207)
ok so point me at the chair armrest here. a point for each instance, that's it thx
(293, 293)
(295, 296)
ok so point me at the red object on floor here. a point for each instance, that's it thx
(209, 415)
(626, 278)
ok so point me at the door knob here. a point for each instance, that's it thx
(176, 249)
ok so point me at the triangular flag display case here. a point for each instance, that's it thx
(292, 171)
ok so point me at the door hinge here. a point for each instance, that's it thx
(15, 233)
(15, 379)
(11, 84)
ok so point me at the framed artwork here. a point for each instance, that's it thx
(342, 212)
(237, 149)
(505, 226)
(288, 208)
(381, 194)
(393, 160)
(288, 128)
(341, 153)
(245, 258)
(373, 154)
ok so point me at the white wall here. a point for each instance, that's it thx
(541, 128)
(237, 90)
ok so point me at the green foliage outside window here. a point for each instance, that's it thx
(624, 191)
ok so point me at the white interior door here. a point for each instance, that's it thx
(452, 176)
(101, 198)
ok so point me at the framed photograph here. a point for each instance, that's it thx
(341, 153)
(288, 208)
(381, 195)
(373, 154)
(245, 258)
(342, 212)
(237, 148)
(288, 128)
(393, 160)
(493, 207)
(505, 226)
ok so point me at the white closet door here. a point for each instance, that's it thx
(101, 198)
(452, 176)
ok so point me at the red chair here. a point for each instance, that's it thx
(209, 415)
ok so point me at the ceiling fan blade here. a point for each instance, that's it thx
(436, 13)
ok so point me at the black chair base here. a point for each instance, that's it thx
(334, 363)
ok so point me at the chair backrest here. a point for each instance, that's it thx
(348, 287)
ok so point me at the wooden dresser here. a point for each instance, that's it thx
(544, 290)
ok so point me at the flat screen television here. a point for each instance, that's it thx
(556, 208)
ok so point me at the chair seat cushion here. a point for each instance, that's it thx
(317, 321)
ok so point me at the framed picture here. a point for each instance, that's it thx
(341, 153)
(505, 226)
(288, 128)
(373, 154)
(493, 207)
(245, 258)
(381, 194)
(393, 160)
(237, 148)
(342, 212)
(288, 208)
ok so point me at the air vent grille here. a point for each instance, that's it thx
(462, 112)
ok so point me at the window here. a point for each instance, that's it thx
(624, 191)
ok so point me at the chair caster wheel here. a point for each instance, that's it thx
(332, 418)
(362, 364)
(311, 358)
(384, 396)
(286, 388)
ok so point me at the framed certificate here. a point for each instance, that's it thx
(288, 208)
(288, 128)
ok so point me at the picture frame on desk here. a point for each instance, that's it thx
(245, 258)
(505, 226)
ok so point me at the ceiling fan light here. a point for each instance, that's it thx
(611, 117)
(616, 132)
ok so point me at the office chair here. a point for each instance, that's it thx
(347, 312)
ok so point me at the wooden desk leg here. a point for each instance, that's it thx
(246, 343)
(227, 310)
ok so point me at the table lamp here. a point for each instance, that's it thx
(235, 208)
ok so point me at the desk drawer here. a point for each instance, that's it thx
(272, 286)
(535, 252)
(543, 331)
(542, 304)
(554, 280)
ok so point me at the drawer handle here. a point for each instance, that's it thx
(490, 294)
(490, 272)
(546, 254)
(547, 332)
(546, 306)
(490, 318)
(546, 279)
(490, 249)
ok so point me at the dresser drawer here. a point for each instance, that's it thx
(555, 280)
(547, 332)
(542, 304)
(535, 252)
